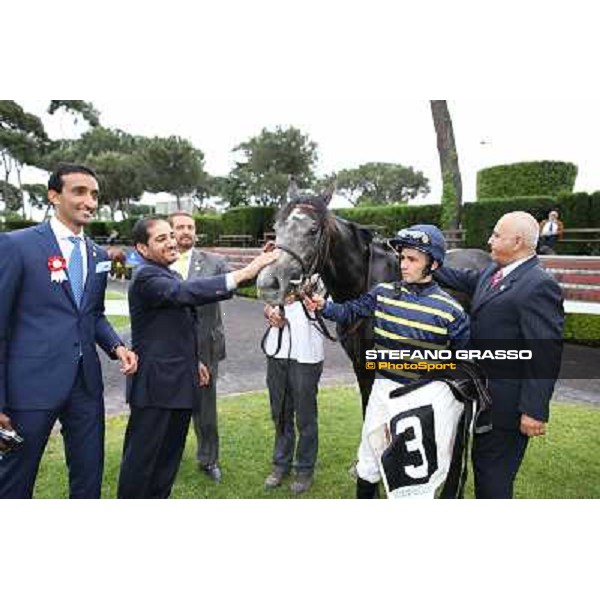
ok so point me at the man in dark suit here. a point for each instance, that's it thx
(516, 301)
(52, 282)
(167, 385)
(193, 262)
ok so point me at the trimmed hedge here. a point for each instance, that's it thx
(14, 225)
(540, 178)
(576, 211)
(249, 220)
(98, 229)
(210, 225)
(393, 217)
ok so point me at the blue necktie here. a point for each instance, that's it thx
(76, 269)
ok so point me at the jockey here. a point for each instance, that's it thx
(409, 314)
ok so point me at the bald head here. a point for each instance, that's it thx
(515, 237)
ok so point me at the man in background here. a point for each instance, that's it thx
(193, 263)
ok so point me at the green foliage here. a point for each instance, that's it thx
(249, 220)
(11, 196)
(381, 183)
(262, 175)
(97, 229)
(541, 178)
(172, 165)
(389, 219)
(248, 291)
(37, 194)
(79, 109)
(563, 464)
(210, 225)
(583, 329)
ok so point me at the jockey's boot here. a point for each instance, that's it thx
(365, 490)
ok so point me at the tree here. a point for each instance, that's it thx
(173, 165)
(22, 142)
(451, 180)
(119, 178)
(79, 109)
(381, 183)
(115, 156)
(268, 159)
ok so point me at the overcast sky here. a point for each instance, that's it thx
(355, 76)
(354, 129)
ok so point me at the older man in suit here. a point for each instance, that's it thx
(191, 263)
(167, 385)
(517, 302)
(52, 282)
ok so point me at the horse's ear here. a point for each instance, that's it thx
(293, 193)
(328, 194)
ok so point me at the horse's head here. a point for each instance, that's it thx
(302, 228)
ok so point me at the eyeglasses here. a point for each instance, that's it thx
(412, 234)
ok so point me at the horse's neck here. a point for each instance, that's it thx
(346, 270)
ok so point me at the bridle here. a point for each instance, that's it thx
(305, 285)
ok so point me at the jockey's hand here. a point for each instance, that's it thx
(532, 427)
(204, 375)
(275, 318)
(314, 302)
(5, 424)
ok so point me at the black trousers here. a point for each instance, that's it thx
(497, 456)
(152, 450)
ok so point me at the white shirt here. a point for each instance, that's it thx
(513, 265)
(62, 234)
(550, 228)
(307, 342)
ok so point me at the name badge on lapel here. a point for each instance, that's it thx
(104, 266)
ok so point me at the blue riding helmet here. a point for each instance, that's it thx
(426, 238)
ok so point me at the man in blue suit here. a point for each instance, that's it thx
(52, 282)
(514, 302)
(167, 385)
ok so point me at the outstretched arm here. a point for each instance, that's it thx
(344, 312)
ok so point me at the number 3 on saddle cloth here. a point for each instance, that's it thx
(421, 440)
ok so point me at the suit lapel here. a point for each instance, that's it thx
(485, 293)
(196, 264)
(50, 244)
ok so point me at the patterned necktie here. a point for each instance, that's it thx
(76, 269)
(496, 279)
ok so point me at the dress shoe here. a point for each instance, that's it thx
(274, 479)
(213, 471)
(302, 483)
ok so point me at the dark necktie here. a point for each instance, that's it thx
(76, 269)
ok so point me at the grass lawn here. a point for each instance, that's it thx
(563, 465)
(114, 295)
(119, 322)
